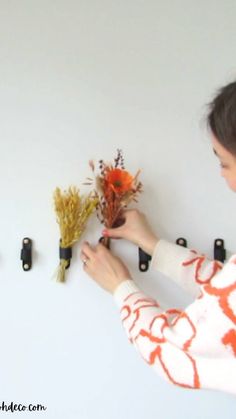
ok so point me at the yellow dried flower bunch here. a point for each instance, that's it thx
(73, 211)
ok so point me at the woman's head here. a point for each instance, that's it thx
(221, 120)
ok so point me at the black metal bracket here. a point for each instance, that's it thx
(26, 254)
(66, 254)
(219, 250)
(144, 259)
(181, 242)
(106, 241)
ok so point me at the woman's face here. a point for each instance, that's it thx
(227, 163)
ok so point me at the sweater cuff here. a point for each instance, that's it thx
(124, 289)
(167, 258)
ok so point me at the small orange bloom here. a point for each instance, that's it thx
(119, 180)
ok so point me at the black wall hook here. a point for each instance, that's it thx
(219, 250)
(26, 254)
(66, 254)
(144, 259)
(181, 242)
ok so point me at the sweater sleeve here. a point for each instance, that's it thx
(194, 348)
(186, 267)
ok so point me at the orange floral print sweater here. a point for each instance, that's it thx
(194, 348)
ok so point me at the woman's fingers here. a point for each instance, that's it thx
(106, 269)
(135, 229)
(115, 233)
(87, 251)
(127, 217)
(119, 226)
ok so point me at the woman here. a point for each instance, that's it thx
(194, 348)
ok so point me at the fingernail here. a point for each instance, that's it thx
(105, 233)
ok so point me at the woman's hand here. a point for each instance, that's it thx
(106, 269)
(135, 229)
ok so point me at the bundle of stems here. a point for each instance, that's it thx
(115, 188)
(72, 211)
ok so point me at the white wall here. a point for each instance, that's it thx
(79, 79)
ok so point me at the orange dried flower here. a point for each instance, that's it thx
(120, 181)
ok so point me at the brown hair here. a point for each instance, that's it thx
(221, 117)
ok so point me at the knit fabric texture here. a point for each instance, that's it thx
(195, 347)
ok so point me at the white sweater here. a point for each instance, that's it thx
(194, 348)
